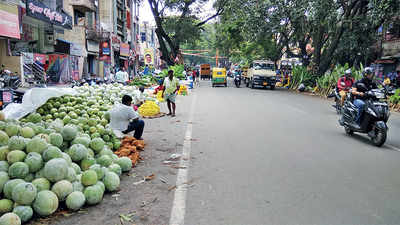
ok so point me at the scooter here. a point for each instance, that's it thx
(373, 119)
(237, 81)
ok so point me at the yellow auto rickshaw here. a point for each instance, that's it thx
(219, 77)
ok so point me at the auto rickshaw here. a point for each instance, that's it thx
(219, 77)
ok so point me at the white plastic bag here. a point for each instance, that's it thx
(33, 99)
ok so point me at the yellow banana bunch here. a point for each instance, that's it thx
(149, 108)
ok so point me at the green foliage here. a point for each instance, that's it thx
(395, 99)
(178, 71)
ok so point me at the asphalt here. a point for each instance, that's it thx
(257, 157)
(279, 157)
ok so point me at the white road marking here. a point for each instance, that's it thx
(179, 203)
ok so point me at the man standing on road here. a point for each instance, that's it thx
(122, 76)
(171, 86)
(123, 118)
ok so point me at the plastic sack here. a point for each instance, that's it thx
(33, 99)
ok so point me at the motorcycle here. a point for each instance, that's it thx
(237, 81)
(8, 80)
(373, 118)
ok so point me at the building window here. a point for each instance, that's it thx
(79, 18)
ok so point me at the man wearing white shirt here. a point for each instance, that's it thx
(122, 76)
(125, 119)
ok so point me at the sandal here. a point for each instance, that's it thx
(169, 114)
(173, 115)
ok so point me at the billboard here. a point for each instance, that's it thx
(148, 56)
(9, 21)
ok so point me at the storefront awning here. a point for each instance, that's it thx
(384, 61)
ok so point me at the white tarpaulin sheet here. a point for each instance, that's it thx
(33, 99)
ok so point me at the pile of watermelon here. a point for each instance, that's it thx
(63, 152)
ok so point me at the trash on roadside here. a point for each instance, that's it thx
(151, 177)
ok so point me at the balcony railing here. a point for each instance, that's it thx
(83, 5)
(97, 34)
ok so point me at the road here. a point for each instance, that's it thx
(254, 157)
(277, 157)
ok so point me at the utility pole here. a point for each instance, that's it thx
(216, 59)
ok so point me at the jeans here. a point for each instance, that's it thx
(360, 106)
(137, 126)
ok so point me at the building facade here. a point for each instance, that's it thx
(68, 39)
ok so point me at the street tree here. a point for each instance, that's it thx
(177, 22)
(319, 30)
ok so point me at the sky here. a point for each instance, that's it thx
(146, 15)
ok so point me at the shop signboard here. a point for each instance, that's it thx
(92, 46)
(76, 49)
(391, 48)
(9, 21)
(38, 10)
(115, 41)
(124, 49)
(105, 48)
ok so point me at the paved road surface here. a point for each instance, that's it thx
(276, 157)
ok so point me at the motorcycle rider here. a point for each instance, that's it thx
(359, 90)
(344, 84)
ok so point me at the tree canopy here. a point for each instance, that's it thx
(333, 29)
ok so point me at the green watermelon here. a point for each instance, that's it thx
(41, 184)
(25, 213)
(115, 168)
(101, 185)
(77, 186)
(67, 158)
(18, 170)
(62, 189)
(10, 219)
(6, 206)
(75, 200)
(104, 160)
(35, 117)
(97, 144)
(34, 161)
(71, 176)
(82, 140)
(4, 166)
(56, 169)
(29, 177)
(89, 177)
(3, 153)
(93, 194)
(36, 144)
(125, 163)
(99, 171)
(3, 138)
(16, 143)
(9, 187)
(27, 132)
(77, 152)
(56, 139)
(24, 193)
(87, 162)
(46, 203)
(69, 132)
(52, 152)
(16, 156)
(3, 180)
(76, 168)
(12, 130)
(111, 181)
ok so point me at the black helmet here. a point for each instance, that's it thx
(367, 71)
(141, 89)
